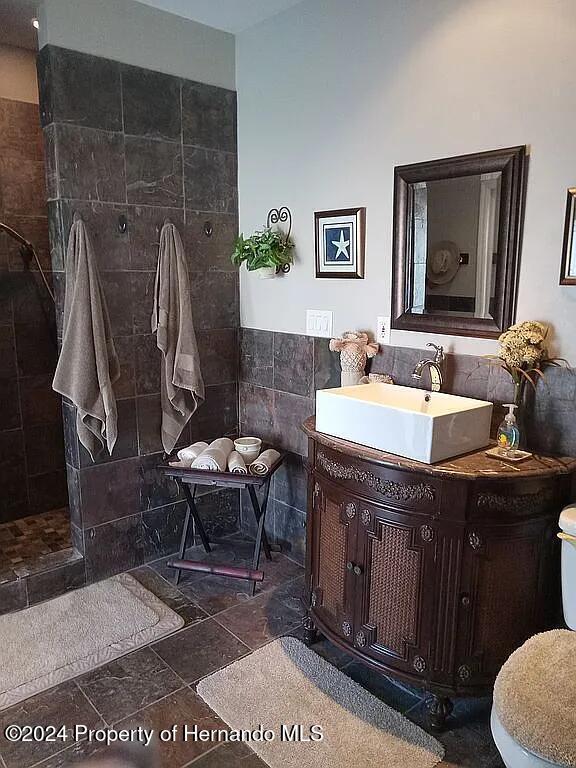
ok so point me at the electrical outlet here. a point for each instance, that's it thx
(319, 322)
(383, 329)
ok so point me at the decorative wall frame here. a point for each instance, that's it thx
(568, 269)
(340, 238)
(510, 163)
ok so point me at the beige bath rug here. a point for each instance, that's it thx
(72, 634)
(285, 684)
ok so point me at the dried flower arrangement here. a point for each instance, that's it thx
(523, 354)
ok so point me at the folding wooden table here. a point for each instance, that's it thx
(189, 480)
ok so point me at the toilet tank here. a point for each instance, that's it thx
(568, 526)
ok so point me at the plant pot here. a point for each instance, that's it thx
(265, 273)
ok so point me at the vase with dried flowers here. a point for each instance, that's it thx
(523, 354)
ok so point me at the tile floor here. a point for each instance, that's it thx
(155, 686)
(24, 541)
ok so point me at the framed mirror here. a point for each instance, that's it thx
(568, 271)
(457, 229)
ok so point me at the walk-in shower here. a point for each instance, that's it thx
(34, 517)
(27, 252)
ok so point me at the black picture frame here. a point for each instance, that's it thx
(569, 239)
(359, 216)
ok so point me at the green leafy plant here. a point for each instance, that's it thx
(265, 248)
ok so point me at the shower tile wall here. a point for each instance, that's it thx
(280, 373)
(32, 471)
(124, 141)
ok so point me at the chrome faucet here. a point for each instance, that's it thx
(434, 368)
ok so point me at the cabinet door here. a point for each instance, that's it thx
(510, 579)
(335, 516)
(397, 558)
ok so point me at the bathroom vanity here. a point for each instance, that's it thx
(432, 573)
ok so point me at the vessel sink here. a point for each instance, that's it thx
(419, 425)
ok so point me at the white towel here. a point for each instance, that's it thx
(215, 457)
(236, 464)
(88, 364)
(182, 388)
(261, 465)
(187, 455)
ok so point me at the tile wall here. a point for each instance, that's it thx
(124, 141)
(280, 373)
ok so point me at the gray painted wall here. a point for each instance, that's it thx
(353, 89)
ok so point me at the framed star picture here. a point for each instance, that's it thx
(340, 242)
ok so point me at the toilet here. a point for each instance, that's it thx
(534, 713)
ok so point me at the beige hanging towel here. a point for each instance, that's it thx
(182, 388)
(88, 364)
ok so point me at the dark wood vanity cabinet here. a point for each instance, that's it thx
(434, 574)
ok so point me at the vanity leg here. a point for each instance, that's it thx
(311, 634)
(439, 708)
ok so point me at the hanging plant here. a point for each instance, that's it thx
(266, 249)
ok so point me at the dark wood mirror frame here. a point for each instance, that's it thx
(511, 163)
(565, 277)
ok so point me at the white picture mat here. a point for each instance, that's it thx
(333, 223)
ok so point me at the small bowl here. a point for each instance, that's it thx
(248, 448)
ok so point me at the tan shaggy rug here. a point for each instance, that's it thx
(72, 634)
(285, 684)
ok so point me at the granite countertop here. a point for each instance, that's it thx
(475, 464)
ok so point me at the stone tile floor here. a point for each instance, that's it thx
(24, 541)
(155, 686)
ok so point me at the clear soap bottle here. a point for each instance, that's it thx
(508, 433)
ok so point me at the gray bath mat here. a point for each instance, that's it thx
(286, 684)
(72, 634)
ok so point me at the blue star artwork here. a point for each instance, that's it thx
(338, 244)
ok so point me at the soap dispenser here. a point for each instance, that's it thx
(508, 432)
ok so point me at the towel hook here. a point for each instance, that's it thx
(208, 229)
(122, 224)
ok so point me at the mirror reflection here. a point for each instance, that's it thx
(454, 228)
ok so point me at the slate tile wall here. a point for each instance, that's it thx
(32, 472)
(280, 373)
(124, 141)
(278, 377)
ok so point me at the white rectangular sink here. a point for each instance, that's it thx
(419, 425)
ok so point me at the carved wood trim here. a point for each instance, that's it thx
(419, 664)
(426, 533)
(387, 488)
(526, 502)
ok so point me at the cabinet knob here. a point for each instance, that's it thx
(357, 570)
(350, 566)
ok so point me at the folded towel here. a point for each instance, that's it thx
(236, 464)
(215, 457)
(187, 455)
(223, 444)
(181, 388)
(261, 465)
(180, 464)
(212, 459)
(88, 364)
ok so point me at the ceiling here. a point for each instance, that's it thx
(229, 15)
(15, 23)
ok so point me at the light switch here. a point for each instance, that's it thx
(319, 322)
